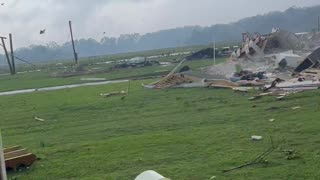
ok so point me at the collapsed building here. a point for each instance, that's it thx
(280, 48)
(256, 46)
(281, 52)
(279, 63)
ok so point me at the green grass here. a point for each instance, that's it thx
(181, 133)
(44, 78)
(189, 134)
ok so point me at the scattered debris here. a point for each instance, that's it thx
(312, 61)
(256, 138)
(287, 59)
(18, 156)
(291, 154)
(271, 120)
(170, 81)
(116, 93)
(175, 80)
(296, 86)
(255, 97)
(297, 107)
(242, 89)
(281, 97)
(39, 119)
(42, 31)
(247, 75)
(165, 64)
(135, 62)
(150, 175)
(220, 83)
(258, 160)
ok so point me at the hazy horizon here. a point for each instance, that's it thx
(91, 19)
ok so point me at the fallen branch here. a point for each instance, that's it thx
(258, 160)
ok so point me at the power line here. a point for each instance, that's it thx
(24, 61)
(20, 59)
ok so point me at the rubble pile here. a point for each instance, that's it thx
(280, 63)
(254, 47)
(170, 81)
(135, 62)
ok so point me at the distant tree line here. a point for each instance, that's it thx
(293, 19)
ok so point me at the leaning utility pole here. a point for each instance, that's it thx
(12, 55)
(6, 52)
(74, 49)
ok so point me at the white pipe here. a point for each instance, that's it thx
(3, 172)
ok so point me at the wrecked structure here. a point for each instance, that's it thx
(312, 61)
(279, 63)
(280, 50)
(256, 46)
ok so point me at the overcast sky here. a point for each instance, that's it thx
(24, 18)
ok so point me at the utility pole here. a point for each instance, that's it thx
(12, 55)
(318, 23)
(6, 52)
(214, 52)
(74, 49)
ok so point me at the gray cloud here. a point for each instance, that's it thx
(92, 17)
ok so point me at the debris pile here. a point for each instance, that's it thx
(312, 61)
(256, 46)
(173, 80)
(115, 93)
(287, 62)
(280, 63)
(135, 62)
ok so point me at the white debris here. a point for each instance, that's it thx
(256, 138)
(150, 175)
(39, 119)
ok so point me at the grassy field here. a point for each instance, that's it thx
(181, 133)
(45, 78)
(189, 134)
